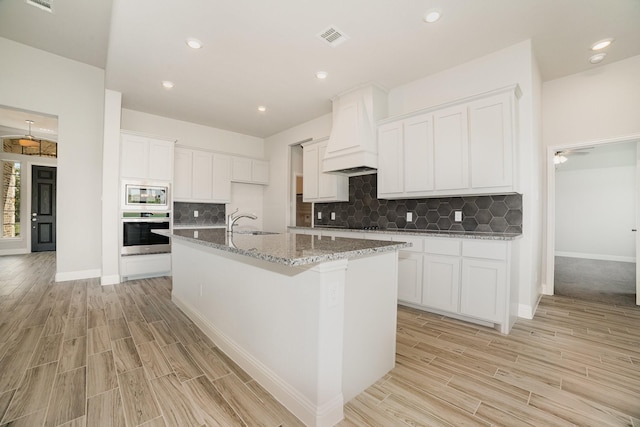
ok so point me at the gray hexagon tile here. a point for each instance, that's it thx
(498, 213)
(208, 213)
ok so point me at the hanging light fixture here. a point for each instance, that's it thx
(28, 140)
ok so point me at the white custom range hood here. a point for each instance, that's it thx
(352, 149)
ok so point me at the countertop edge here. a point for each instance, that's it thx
(290, 262)
(422, 233)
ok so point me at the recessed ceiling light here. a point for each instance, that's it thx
(262, 108)
(167, 84)
(322, 75)
(597, 58)
(194, 43)
(432, 16)
(601, 44)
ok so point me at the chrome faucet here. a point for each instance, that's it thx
(231, 220)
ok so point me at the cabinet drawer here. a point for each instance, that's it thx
(485, 249)
(417, 242)
(444, 246)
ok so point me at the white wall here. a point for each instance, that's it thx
(245, 197)
(595, 212)
(277, 208)
(75, 93)
(594, 105)
(192, 134)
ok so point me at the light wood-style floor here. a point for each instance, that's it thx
(80, 354)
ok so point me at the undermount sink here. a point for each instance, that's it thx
(255, 232)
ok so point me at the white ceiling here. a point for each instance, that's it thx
(259, 52)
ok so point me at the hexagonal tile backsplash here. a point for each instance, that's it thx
(496, 213)
(208, 213)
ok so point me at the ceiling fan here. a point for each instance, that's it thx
(563, 155)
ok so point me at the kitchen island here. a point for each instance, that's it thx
(312, 319)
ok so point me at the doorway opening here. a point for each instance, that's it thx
(27, 139)
(592, 221)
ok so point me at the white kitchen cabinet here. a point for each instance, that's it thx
(491, 143)
(202, 176)
(316, 185)
(467, 147)
(410, 277)
(418, 154)
(441, 282)
(249, 171)
(483, 289)
(391, 160)
(451, 148)
(138, 266)
(406, 158)
(146, 158)
(468, 279)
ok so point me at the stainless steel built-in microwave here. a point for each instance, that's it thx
(145, 197)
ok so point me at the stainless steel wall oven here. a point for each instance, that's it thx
(138, 236)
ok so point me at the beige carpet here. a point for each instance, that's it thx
(610, 282)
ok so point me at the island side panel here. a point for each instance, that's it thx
(371, 295)
(283, 325)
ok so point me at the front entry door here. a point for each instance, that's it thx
(43, 209)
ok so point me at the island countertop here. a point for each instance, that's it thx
(289, 249)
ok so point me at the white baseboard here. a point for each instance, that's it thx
(13, 252)
(328, 414)
(599, 257)
(77, 275)
(525, 311)
(112, 279)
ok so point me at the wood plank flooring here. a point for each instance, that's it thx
(80, 354)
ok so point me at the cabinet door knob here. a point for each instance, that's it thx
(634, 229)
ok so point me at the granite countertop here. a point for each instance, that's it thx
(289, 249)
(423, 233)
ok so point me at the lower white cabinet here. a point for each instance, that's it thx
(464, 278)
(441, 282)
(483, 289)
(138, 266)
(410, 277)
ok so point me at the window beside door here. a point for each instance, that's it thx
(10, 198)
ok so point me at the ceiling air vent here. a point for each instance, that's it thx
(42, 4)
(333, 36)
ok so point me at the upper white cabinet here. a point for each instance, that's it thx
(201, 176)
(316, 185)
(467, 147)
(250, 171)
(491, 142)
(406, 161)
(146, 158)
(451, 149)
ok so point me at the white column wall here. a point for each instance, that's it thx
(111, 189)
